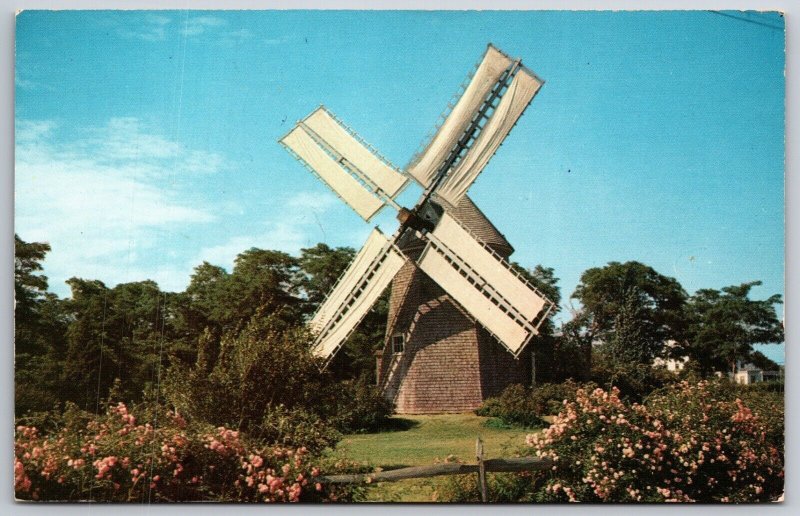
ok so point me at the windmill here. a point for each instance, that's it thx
(460, 316)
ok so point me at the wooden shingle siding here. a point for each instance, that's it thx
(450, 363)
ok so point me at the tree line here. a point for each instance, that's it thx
(134, 337)
(629, 315)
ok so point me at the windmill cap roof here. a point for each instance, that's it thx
(473, 218)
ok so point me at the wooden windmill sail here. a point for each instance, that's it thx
(439, 257)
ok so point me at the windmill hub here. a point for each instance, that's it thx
(417, 219)
(456, 302)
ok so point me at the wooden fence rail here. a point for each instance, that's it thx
(435, 470)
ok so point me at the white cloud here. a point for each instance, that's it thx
(194, 26)
(296, 227)
(313, 201)
(30, 131)
(23, 83)
(158, 27)
(103, 199)
(240, 34)
(154, 28)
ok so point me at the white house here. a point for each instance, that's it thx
(673, 365)
(749, 373)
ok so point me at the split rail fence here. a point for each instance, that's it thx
(481, 468)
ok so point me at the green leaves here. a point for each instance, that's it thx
(630, 312)
(632, 289)
(725, 324)
(322, 266)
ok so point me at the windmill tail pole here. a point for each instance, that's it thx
(435, 470)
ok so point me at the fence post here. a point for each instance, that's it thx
(481, 470)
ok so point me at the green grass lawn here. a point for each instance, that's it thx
(426, 440)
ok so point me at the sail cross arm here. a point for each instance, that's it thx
(483, 284)
(367, 276)
(425, 165)
(520, 93)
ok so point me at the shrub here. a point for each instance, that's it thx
(548, 398)
(266, 382)
(635, 381)
(359, 407)
(263, 366)
(501, 488)
(117, 457)
(766, 406)
(513, 406)
(688, 442)
(518, 405)
(295, 428)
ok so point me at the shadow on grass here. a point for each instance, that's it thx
(497, 423)
(399, 424)
(388, 467)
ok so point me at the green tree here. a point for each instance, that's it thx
(202, 305)
(40, 323)
(123, 333)
(725, 324)
(30, 287)
(573, 348)
(144, 336)
(90, 361)
(262, 281)
(218, 303)
(763, 362)
(629, 313)
(631, 309)
(322, 266)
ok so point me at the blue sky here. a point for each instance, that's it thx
(146, 141)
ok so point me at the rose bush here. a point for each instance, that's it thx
(116, 457)
(690, 442)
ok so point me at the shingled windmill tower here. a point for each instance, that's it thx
(460, 316)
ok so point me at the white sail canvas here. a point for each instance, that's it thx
(356, 291)
(377, 172)
(332, 173)
(425, 166)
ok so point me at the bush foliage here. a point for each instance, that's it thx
(267, 383)
(689, 442)
(143, 455)
(522, 406)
